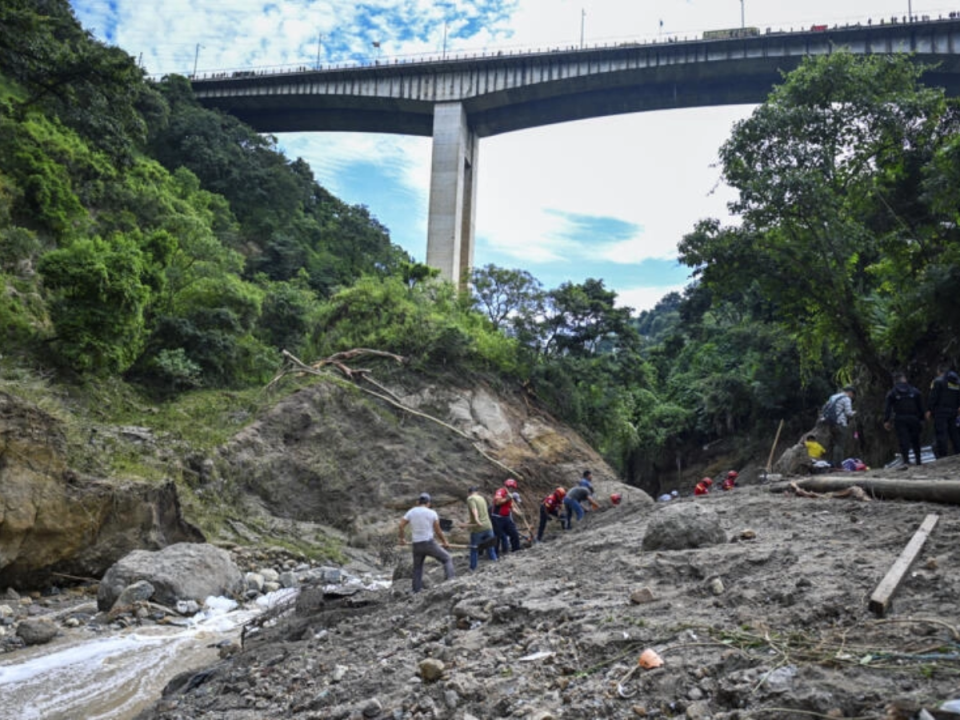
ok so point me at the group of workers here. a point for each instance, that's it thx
(904, 412)
(492, 526)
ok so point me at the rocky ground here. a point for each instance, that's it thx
(770, 623)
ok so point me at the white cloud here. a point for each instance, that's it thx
(644, 298)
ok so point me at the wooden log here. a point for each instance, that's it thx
(773, 448)
(938, 491)
(880, 600)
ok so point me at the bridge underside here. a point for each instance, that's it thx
(457, 125)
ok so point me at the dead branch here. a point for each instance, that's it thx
(854, 492)
(385, 395)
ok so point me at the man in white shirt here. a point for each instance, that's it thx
(424, 525)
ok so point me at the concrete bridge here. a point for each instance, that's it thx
(459, 100)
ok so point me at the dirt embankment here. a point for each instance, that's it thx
(771, 624)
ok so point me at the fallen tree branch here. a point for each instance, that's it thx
(385, 395)
(940, 490)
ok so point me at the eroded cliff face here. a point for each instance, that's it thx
(334, 455)
(54, 520)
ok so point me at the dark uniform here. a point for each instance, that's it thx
(943, 404)
(905, 406)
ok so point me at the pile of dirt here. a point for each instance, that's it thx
(772, 623)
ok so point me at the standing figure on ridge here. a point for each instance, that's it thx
(424, 526)
(904, 407)
(836, 414)
(481, 527)
(502, 515)
(943, 404)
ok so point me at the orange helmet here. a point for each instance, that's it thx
(616, 498)
(510, 483)
(560, 493)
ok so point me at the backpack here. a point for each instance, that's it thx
(829, 413)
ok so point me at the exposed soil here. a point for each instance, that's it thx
(550, 632)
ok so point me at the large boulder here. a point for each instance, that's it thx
(185, 571)
(679, 526)
(53, 519)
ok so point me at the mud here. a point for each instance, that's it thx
(773, 623)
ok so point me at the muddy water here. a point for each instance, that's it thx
(110, 676)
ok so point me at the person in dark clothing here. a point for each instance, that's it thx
(904, 407)
(943, 404)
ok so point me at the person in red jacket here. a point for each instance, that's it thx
(502, 515)
(703, 487)
(550, 507)
(730, 481)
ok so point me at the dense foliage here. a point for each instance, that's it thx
(144, 236)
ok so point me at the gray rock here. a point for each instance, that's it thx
(681, 526)
(372, 708)
(134, 593)
(288, 579)
(269, 575)
(253, 581)
(185, 571)
(36, 632)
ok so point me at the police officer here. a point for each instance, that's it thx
(904, 406)
(943, 405)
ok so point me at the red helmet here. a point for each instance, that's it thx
(707, 481)
(733, 474)
(510, 483)
(560, 493)
(616, 498)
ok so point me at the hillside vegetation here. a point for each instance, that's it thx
(162, 253)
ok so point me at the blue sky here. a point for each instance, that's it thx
(605, 198)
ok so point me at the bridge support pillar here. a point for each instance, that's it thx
(453, 194)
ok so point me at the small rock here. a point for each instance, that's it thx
(269, 587)
(695, 693)
(36, 632)
(642, 596)
(339, 673)
(543, 715)
(639, 710)
(269, 575)
(289, 579)
(431, 669)
(372, 708)
(748, 534)
(229, 649)
(71, 622)
(188, 607)
(253, 581)
(698, 711)
(134, 593)
(716, 586)
(6, 611)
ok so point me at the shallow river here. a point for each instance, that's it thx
(115, 674)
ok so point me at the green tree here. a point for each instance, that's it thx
(99, 297)
(814, 167)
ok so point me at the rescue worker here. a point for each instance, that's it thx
(703, 487)
(424, 526)
(550, 508)
(502, 515)
(480, 526)
(837, 413)
(904, 407)
(815, 450)
(572, 504)
(730, 481)
(943, 404)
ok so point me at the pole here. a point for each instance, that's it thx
(196, 56)
(319, 40)
(444, 56)
(743, 21)
(583, 15)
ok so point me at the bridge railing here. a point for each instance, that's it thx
(241, 73)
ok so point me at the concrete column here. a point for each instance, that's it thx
(453, 193)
